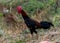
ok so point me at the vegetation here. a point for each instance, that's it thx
(37, 9)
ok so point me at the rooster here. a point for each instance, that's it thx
(32, 24)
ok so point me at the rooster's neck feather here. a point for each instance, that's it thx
(25, 16)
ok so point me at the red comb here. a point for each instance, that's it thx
(19, 9)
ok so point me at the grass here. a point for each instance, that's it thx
(12, 36)
(20, 41)
(25, 31)
(1, 14)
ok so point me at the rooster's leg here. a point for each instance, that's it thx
(36, 34)
(30, 38)
(32, 35)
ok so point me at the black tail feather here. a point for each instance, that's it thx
(52, 24)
